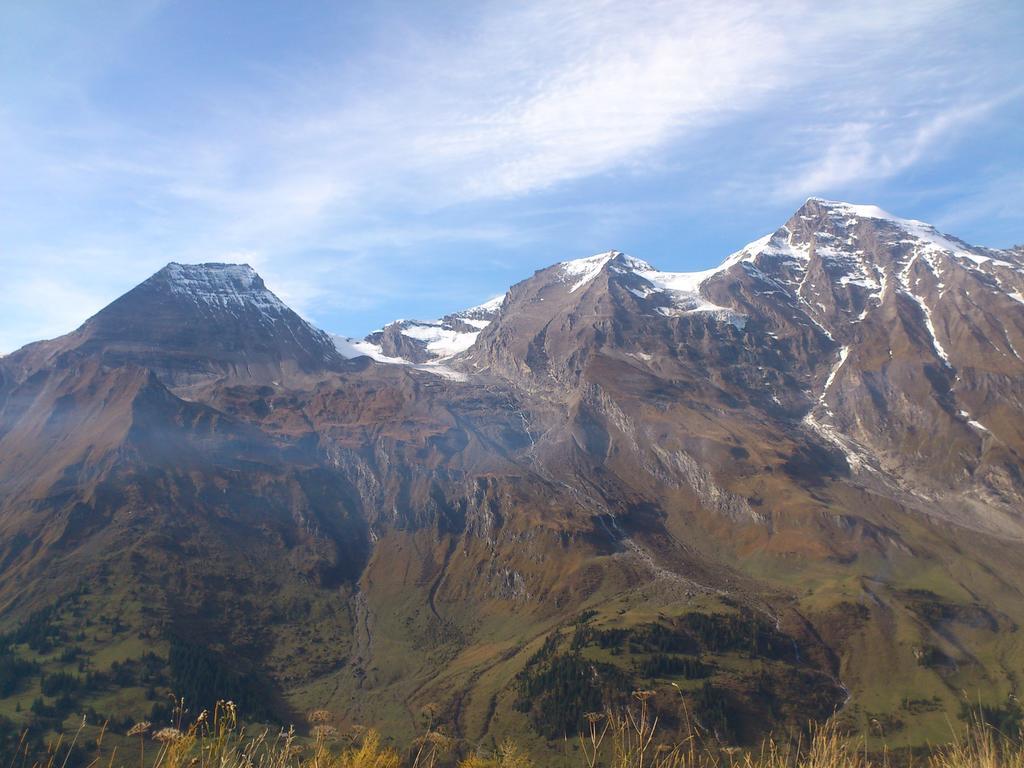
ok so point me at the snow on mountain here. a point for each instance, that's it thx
(831, 257)
(442, 341)
(830, 245)
(424, 344)
(194, 323)
(224, 286)
(582, 271)
(681, 288)
(925, 238)
(482, 314)
(920, 233)
(352, 348)
(840, 241)
(453, 333)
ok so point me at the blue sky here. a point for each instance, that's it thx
(392, 159)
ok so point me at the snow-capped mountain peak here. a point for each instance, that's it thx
(191, 324)
(864, 248)
(487, 309)
(846, 217)
(579, 272)
(217, 285)
(424, 343)
(673, 293)
(832, 267)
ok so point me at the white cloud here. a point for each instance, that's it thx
(626, 87)
(532, 96)
(596, 86)
(859, 151)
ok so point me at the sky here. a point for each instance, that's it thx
(382, 160)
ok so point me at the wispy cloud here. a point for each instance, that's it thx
(866, 150)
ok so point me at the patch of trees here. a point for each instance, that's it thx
(644, 638)
(559, 685)
(13, 670)
(764, 691)
(1006, 718)
(39, 631)
(545, 652)
(558, 690)
(884, 723)
(148, 670)
(933, 657)
(8, 731)
(715, 712)
(603, 638)
(13, 742)
(59, 684)
(930, 607)
(938, 612)
(661, 665)
(799, 692)
(917, 706)
(803, 694)
(743, 632)
(693, 633)
(61, 693)
(31, 746)
(203, 677)
(657, 638)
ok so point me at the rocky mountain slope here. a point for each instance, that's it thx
(787, 485)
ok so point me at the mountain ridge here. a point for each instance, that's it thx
(820, 435)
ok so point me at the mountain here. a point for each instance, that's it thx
(787, 485)
(191, 323)
(423, 341)
(847, 322)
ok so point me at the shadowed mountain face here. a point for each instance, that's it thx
(816, 447)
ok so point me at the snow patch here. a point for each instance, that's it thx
(439, 369)
(352, 348)
(440, 341)
(582, 271)
(490, 306)
(855, 457)
(974, 423)
(936, 344)
(225, 286)
(928, 239)
(682, 288)
(843, 354)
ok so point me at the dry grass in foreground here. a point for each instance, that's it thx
(626, 740)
